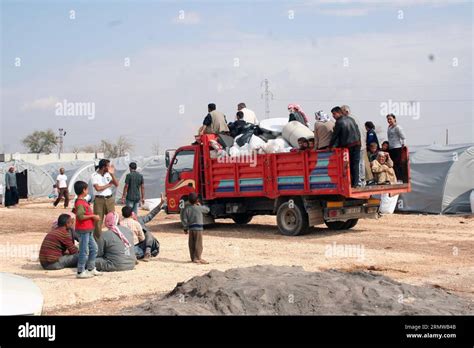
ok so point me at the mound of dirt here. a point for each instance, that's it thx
(283, 290)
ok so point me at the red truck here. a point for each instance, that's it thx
(303, 189)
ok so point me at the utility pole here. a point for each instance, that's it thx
(62, 133)
(266, 95)
(447, 136)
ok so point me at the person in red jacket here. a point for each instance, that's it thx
(85, 224)
(58, 250)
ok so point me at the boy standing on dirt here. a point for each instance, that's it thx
(192, 220)
(85, 220)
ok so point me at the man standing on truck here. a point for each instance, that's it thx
(346, 134)
(215, 122)
(249, 115)
(364, 165)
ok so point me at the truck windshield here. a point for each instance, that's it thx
(183, 162)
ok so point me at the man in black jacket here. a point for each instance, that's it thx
(346, 134)
(238, 126)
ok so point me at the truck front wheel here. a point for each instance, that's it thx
(242, 219)
(292, 219)
(341, 225)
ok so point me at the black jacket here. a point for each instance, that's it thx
(345, 133)
(236, 128)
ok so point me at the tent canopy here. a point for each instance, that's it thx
(153, 170)
(441, 180)
(39, 182)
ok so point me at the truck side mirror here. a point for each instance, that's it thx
(167, 159)
(168, 155)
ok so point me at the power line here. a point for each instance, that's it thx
(267, 95)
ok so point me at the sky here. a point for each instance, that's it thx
(147, 69)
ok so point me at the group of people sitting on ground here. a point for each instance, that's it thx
(116, 249)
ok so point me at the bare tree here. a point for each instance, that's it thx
(123, 145)
(111, 149)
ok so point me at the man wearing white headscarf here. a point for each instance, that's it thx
(323, 128)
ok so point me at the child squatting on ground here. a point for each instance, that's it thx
(85, 220)
(192, 220)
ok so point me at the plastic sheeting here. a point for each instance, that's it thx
(441, 180)
(154, 176)
(39, 182)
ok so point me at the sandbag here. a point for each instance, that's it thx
(234, 151)
(256, 143)
(295, 130)
(276, 146)
(387, 203)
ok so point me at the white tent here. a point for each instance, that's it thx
(442, 178)
(33, 181)
(84, 173)
(69, 167)
(153, 170)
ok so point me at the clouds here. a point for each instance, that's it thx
(41, 104)
(143, 101)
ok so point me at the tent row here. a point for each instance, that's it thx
(38, 181)
(441, 178)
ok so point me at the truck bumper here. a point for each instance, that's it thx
(347, 213)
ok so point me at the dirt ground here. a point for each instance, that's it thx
(415, 249)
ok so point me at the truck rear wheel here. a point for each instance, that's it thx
(242, 219)
(292, 221)
(341, 225)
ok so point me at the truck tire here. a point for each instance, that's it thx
(242, 219)
(292, 221)
(351, 223)
(341, 225)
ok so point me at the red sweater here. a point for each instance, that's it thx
(55, 245)
(87, 224)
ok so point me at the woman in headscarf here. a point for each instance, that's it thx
(115, 246)
(323, 129)
(297, 114)
(11, 190)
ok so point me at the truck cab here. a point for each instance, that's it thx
(182, 177)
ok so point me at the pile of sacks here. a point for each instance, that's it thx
(274, 135)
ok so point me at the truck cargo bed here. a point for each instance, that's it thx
(299, 173)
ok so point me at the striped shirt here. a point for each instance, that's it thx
(55, 245)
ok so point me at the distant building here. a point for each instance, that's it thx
(42, 158)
